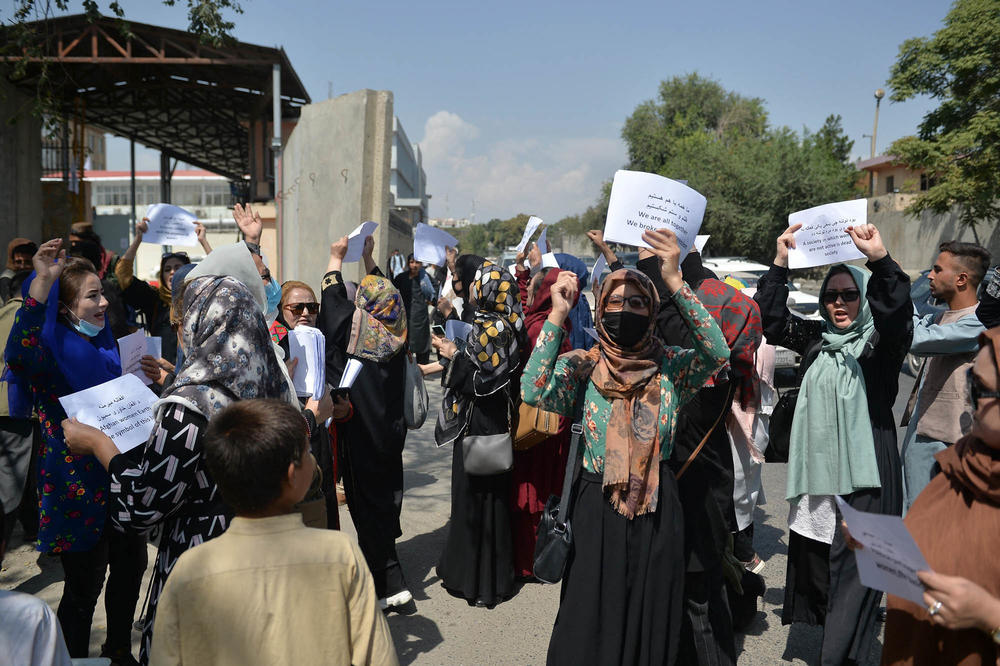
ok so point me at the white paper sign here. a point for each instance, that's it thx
(600, 266)
(890, 558)
(699, 242)
(455, 329)
(122, 409)
(131, 349)
(549, 260)
(644, 201)
(351, 371)
(308, 345)
(529, 230)
(170, 225)
(356, 240)
(543, 242)
(429, 244)
(823, 238)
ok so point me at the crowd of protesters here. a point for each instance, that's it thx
(657, 403)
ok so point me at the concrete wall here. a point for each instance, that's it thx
(20, 169)
(914, 242)
(335, 175)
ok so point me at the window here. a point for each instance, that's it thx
(890, 184)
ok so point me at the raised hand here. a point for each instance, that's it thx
(201, 232)
(48, 263)
(249, 222)
(663, 243)
(596, 237)
(141, 227)
(785, 241)
(563, 294)
(534, 255)
(369, 247)
(338, 251)
(867, 239)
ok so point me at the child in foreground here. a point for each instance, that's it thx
(269, 590)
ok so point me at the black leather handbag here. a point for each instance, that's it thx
(780, 427)
(555, 533)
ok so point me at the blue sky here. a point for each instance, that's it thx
(518, 106)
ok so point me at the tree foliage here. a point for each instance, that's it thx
(752, 174)
(958, 143)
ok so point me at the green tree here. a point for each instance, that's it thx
(753, 175)
(958, 143)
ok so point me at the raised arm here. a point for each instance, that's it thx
(124, 267)
(550, 382)
(596, 237)
(888, 292)
(24, 353)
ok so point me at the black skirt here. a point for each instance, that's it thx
(478, 561)
(622, 595)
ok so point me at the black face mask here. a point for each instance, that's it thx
(625, 328)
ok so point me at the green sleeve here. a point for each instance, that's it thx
(549, 382)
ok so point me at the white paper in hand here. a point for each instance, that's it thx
(549, 260)
(154, 346)
(529, 230)
(699, 243)
(543, 241)
(823, 238)
(356, 240)
(890, 558)
(308, 345)
(644, 201)
(131, 349)
(170, 225)
(122, 409)
(600, 266)
(456, 329)
(429, 244)
(351, 371)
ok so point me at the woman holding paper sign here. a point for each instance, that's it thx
(371, 329)
(61, 343)
(843, 434)
(154, 303)
(623, 587)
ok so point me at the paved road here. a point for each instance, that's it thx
(445, 630)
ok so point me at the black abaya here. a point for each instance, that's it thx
(621, 599)
(370, 444)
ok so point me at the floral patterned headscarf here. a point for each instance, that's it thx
(378, 329)
(228, 352)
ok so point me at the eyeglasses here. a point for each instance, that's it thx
(298, 308)
(635, 302)
(179, 255)
(848, 296)
(976, 389)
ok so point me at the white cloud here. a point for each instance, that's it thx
(548, 178)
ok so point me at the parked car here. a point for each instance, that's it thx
(749, 272)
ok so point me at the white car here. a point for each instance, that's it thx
(748, 272)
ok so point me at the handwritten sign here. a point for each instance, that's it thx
(644, 201)
(356, 240)
(890, 558)
(529, 231)
(823, 238)
(170, 225)
(131, 349)
(429, 244)
(122, 409)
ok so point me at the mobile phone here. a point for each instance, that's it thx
(438, 329)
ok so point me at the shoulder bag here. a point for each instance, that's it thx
(555, 535)
(485, 455)
(415, 400)
(534, 426)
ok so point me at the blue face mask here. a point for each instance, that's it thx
(84, 327)
(273, 292)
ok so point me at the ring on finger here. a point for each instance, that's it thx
(934, 608)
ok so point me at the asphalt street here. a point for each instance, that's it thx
(440, 629)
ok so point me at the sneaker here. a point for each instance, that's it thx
(754, 566)
(399, 599)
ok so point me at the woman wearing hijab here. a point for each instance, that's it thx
(372, 330)
(624, 581)
(479, 381)
(61, 343)
(227, 357)
(956, 523)
(843, 434)
(154, 302)
(538, 471)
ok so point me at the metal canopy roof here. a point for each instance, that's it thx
(163, 87)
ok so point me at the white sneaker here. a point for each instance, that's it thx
(399, 599)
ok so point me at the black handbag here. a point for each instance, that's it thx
(780, 427)
(555, 534)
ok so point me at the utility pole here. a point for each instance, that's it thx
(879, 94)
